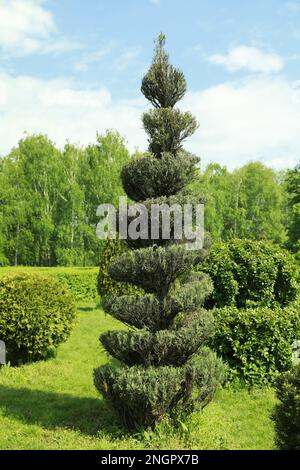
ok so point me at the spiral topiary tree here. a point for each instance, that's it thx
(163, 355)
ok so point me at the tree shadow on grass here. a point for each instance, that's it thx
(87, 309)
(52, 410)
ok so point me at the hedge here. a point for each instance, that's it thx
(247, 273)
(36, 314)
(82, 282)
(256, 342)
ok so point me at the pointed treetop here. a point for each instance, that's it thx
(163, 85)
(160, 53)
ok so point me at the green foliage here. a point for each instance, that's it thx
(163, 361)
(246, 272)
(143, 396)
(54, 405)
(245, 203)
(259, 204)
(49, 199)
(80, 281)
(164, 347)
(149, 177)
(36, 315)
(292, 185)
(166, 208)
(256, 342)
(155, 269)
(167, 128)
(197, 287)
(287, 412)
(106, 285)
(144, 311)
(163, 85)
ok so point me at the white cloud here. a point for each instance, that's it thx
(249, 58)
(62, 111)
(156, 2)
(255, 119)
(26, 27)
(83, 64)
(126, 58)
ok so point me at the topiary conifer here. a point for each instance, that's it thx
(165, 365)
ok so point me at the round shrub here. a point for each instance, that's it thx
(246, 272)
(36, 315)
(256, 342)
(287, 412)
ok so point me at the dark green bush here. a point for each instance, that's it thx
(256, 342)
(164, 363)
(148, 177)
(246, 272)
(145, 312)
(287, 412)
(164, 347)
(181, 198)
(36, 315)
(142, 396)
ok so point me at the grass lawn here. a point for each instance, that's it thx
(54, 405)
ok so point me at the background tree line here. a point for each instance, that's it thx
(48, 201)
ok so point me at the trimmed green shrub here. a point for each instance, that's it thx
(144, 177)
(246, 272)
(106, 285)
(164, 347)
(142, 396)
(165, 363)
(287, 412)
(36, 315)
(145, 312)
(82, 282)
(256, 342)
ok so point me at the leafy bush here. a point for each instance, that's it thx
(36, 315)
(256, 342)
(246, 272)
(287, 412)
(142, 396)
(81, 282)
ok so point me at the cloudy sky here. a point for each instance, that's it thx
(70, 68)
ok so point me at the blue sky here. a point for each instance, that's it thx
(70, 68)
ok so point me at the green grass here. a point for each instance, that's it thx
(54, 405)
